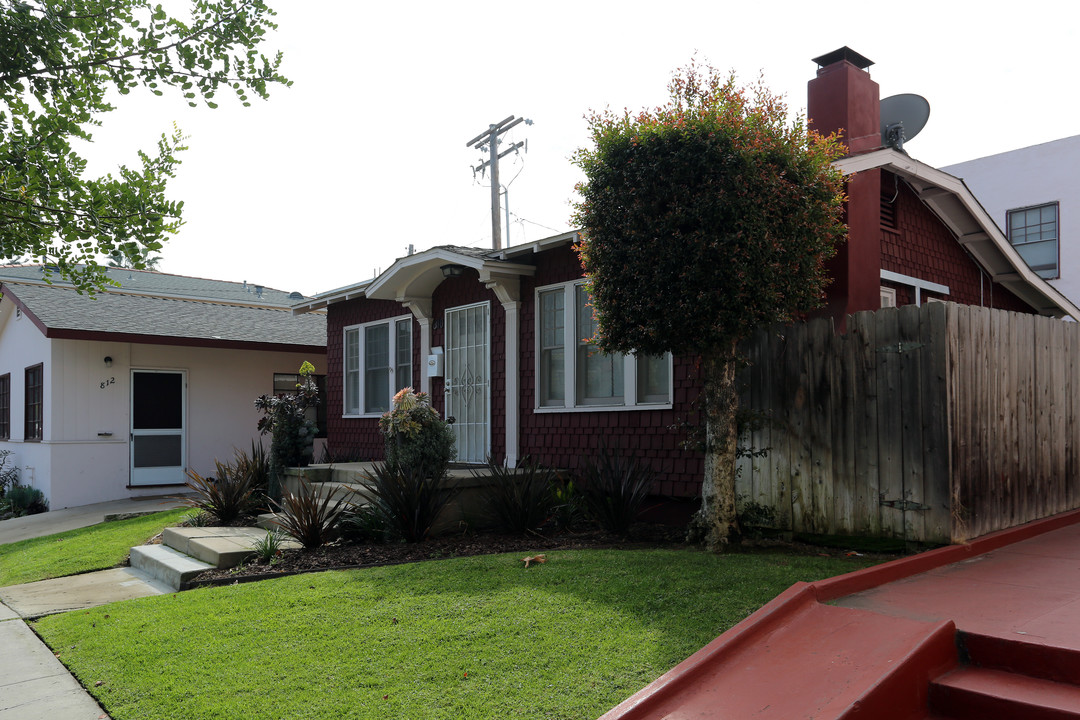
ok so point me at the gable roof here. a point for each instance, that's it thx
(156, 308)
(955, 205)
(946, 196)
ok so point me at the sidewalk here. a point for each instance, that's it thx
(34, 685)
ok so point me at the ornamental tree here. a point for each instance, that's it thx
(702, 220)
(62, 64)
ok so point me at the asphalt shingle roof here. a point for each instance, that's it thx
(60, 308)
(163, 284)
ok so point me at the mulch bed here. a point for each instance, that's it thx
(339, 555)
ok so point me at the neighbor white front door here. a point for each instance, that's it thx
(468, 386)
(158, 421)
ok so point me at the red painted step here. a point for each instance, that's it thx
(972, 693)
(1035, 658)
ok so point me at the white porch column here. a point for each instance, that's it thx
(421, 310)
(425, 350)
(512, 331)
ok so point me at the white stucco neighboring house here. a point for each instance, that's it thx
(1033, 194)
(118, 395)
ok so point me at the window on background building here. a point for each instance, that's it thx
(5, 406)
(595, 379)
(1033, 231)
(287, 382)
(378, 363)
(34, 421)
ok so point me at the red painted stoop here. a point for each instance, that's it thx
(798, 658)
(1008, 679)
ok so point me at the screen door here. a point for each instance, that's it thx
(468, 391)
(158, 441)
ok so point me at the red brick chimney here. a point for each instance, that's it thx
(843, 98)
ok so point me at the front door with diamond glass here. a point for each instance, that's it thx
(468, 391)
(157, 427)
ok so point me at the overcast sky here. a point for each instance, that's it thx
(330, 180)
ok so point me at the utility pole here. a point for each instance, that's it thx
(490, 138)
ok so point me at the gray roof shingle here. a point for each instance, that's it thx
(164, 285)
(63, 311)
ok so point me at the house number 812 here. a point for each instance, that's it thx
(106, 383)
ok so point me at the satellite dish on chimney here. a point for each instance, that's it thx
(902, 117)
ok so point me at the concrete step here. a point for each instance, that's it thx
(266, 521)
(166, 564)
(221, 547)
(971, 693)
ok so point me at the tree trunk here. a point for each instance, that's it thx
(716, 521)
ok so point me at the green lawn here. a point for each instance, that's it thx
(78, 551)
(461, 638)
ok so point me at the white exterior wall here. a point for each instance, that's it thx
(222, 385)
(221, 392)
(22, 345)
(1029, 176)
(84, 455)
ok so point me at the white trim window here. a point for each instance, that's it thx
(586, 378)
(378, 363)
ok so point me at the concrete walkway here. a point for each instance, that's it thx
(34, 685)
(55, 521)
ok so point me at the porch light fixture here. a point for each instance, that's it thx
(108, 361)
(449, 271)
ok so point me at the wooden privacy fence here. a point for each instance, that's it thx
(935, 424)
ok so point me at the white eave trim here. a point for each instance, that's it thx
(944, 194)
(571, 236)
(324, 299)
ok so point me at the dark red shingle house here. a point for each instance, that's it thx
(495, 336)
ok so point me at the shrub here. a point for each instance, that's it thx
(614, 488)
(228, 497)
(26, 500)
(199, 519)
(417, 439)
(9, 474)
(268, 548)
(309, 517)
(364, 524)
(406, 498)
(292, 433)
(755, 519)
(567, 511)
(342, 455)
(521, 499)
(256, 466)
